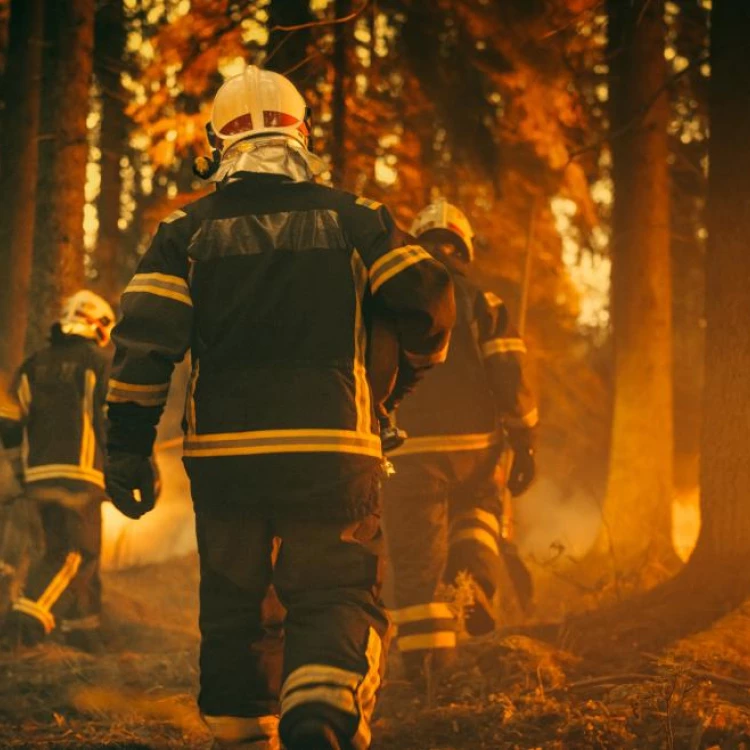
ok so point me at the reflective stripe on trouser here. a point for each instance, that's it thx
(425, 550)
(41, 608)
(244, 733)
(423, 627)
(474, 547)
(64, 585)
(327, 577)
(344, 691)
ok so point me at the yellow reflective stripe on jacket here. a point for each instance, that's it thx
(427, 360)
(88, 436)
(64, 471)
(394, 262)
(24, 394)
(361, 383)
(530, 419)
(282, 441)
(190, 398)
(419, 612)
(447, 443)
(144, 395)
(503, 346)
(424, 641)
(162, 285)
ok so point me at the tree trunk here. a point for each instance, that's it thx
(59, 252)
(688, 286)
(338, 102)
(637, 511)
(716, 579)
(288, 48)
(725, 458)
(19, 183)
(109, 47)
(688, 257)
(4, 30)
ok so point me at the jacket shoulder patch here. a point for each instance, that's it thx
(492, 299)
(367, 203)
(174, 216)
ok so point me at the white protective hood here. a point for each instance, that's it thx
(271, 155)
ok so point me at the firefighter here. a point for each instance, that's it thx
(442, 510)
(271, 281)
(57, 439)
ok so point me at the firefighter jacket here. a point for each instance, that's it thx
(481, 388)
(272, 284)
(59, 425)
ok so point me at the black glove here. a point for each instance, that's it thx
(523, 468)
(407, 379)
(391, 437)
(126, 473)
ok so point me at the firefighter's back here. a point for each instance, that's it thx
(279, 397)
(454, 404)
(275, 303)
(59, 390)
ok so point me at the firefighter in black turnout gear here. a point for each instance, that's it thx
(442, 509)
(271, 283)
(57, 438)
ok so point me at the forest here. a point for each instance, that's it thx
(599, 149)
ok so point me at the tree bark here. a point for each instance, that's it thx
(688, 287)
(716, 579)
(22, 98)
(637, 511)
(342, 8)
(725, 458)
(59, 252)
(288, 48)
(109, 47)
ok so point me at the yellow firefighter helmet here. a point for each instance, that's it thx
(258, 102)
(443, 215)
(87, 314)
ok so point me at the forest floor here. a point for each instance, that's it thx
(507, 691)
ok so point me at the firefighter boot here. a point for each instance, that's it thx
(312, 734)
(480, 616)
(21, 630)
(89, 641)
(422, 667)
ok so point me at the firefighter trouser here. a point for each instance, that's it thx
(442, 517)
(63, 589)
(328, 662)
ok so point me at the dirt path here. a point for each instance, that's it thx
(508, 691)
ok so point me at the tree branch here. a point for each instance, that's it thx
(639, 116)
(324, 22)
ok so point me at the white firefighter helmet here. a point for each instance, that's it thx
(443, 215)
(87, 314)
(258, 102)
